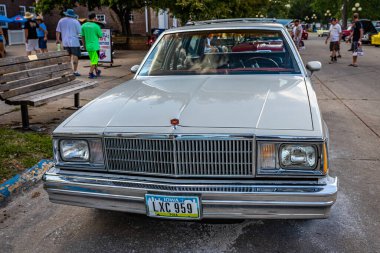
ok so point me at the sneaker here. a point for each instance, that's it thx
(339, 56)
(91, 76)
(76, 73)
(98, 72)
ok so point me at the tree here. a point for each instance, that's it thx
(122, 8)
(210, 9)
(343, 8)
(300, 9)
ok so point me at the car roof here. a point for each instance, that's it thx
(230, 24)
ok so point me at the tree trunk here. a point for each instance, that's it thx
(344, 14)
(127, 12)
(124, 19)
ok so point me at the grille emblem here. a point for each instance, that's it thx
(174, 123)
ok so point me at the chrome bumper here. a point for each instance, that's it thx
(237, 200)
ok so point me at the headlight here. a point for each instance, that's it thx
(81, 152)
(291, 159)
(295, 156)
(74, 150)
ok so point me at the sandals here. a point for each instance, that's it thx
(353, 65)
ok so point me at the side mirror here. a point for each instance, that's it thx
(135, 68)
(314, 66)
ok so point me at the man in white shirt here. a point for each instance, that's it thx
(297, 33)
(69, 29)
(335, 36)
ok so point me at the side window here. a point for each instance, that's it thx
(101, 18)
(22, 10)
(3, 12)
(32, 9)
(194, 45)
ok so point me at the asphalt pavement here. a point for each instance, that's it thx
(349, 99)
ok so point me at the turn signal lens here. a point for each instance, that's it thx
(267, 156)
(325, 159)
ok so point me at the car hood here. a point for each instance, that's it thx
(234, 101)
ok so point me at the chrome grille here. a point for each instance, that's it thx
(181, 157)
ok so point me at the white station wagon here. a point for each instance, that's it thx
(220, 121)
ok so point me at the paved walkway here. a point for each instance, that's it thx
(50, 115)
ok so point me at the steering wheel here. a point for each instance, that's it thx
(260, 62)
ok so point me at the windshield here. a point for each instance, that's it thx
(221, 53)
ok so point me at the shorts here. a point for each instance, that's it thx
(354, 46)
(32, 45)
(334, 46)
(73, 50)
(297, 41)
(42, 43)
(94, 57)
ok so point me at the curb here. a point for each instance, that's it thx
(23, 182)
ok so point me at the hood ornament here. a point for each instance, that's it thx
(174, 123)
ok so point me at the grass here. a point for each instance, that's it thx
(21, 150)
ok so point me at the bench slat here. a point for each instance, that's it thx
(50, 94)
(22, 97)
(33, 80)
(22, 59)
(37, 86)
(33, 64)
(32, 73)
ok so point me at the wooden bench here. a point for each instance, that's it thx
(38, 79)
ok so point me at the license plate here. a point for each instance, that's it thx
(185, 207)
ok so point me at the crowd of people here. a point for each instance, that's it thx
(335, 37)
(69, 31)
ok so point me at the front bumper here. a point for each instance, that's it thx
(227, 200)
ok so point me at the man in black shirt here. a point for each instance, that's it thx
(356, 35)
(30, 30)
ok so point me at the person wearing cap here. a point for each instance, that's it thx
(91, 33)
(30, 30)
(68, 32)
(42, 34)
(335, 36)
(297, 33)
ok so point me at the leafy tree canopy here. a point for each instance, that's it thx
(210, 9)
(121, 7)
(216, 9)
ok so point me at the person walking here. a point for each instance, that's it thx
(91, 33)
(335, 36)
(297, 33)
(30, 30)
(67, 33)
(2, 43)
(338, 51)
(356, 38)
(42, 34)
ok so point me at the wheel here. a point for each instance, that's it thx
(261, 62)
